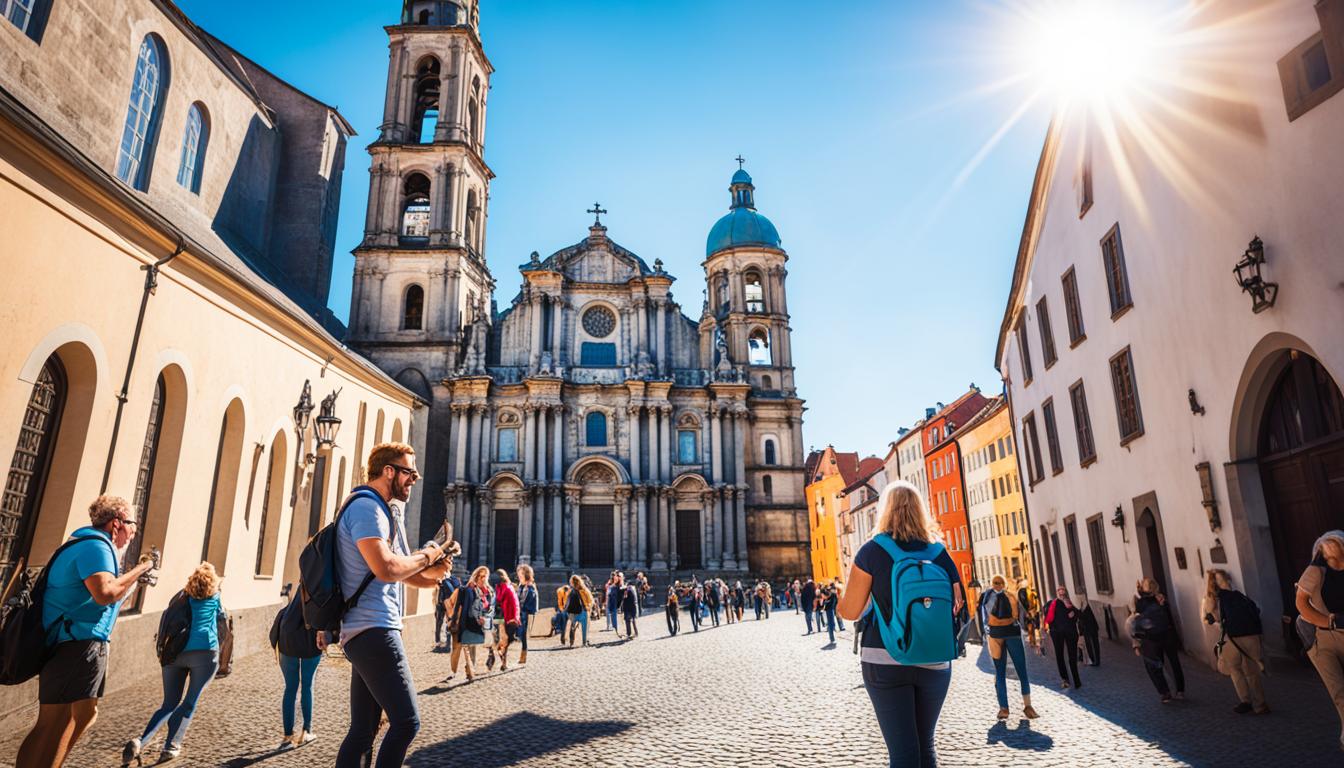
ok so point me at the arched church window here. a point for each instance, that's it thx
(194, 141)
(144, 478)
(767, 383)
(767, 486)
(415, 210)
(424, 17)
(755, 293)
(722, 293)
(595, 429)
(143, 114)
(426, 106)
(758, 347)
(771, 456)
(474, 111)
(412, 315)
(29, 467)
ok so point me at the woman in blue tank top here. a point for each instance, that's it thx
(907, 698)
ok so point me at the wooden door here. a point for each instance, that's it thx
(506, 539)
(688, 539)
(597, 536)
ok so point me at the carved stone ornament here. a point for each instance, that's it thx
(599, 322)
(508, 417)
(597, 474)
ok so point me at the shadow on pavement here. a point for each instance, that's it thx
(515, 739)
(1021, 737)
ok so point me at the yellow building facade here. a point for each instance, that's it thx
(826, 473)
(997, 513)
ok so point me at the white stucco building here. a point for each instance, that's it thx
(1168, 425)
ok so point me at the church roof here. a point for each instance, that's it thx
(556, 261)
(741, 227)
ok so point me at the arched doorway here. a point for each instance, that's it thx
(1300, 453)
(1150, 548)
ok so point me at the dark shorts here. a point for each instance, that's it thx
(511, 632)
(77, 670)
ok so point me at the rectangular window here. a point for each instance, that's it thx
(1082, 424)
(1073, 311)
(1101, 566)
(1035, 466)
(1052, 436)
(1127, 411)
(1117, 277)
(992, 456)
(506, 447)
(597, 354)
(1316, 67)
(1075, 562)
(1023, 350)
(687, 447)
(1047, 334)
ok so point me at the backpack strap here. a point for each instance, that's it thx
(46, 630)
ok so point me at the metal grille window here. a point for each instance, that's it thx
(1052, 437)
(1117, 277)
(144, 479)
(1047, 334)
(1101, 566)
(1127, 411)
(142, 116)
(28, 469)
(1073, 310)
(1082, 424)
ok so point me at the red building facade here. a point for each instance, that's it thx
(942, 463)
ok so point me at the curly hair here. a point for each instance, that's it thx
(203, 582)
(107, 508)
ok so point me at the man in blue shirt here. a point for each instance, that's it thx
(371, 539)
(85, 588)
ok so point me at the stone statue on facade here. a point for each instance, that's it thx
(547, 365)
(723, 369)
(643, 366)
(473, 361)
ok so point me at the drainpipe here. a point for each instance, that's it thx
(151, 283)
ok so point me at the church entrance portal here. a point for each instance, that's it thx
(506, 539)
(688, 539)
(1301, 458)
(597, 536)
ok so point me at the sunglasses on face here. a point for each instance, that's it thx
(407, 470)
(127, 521)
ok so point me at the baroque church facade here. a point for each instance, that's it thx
(590, 423)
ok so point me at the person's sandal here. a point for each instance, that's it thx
(1003, 713)
(1030, 712)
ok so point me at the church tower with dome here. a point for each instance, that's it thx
(587, 423)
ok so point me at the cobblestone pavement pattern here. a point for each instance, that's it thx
(750, 694)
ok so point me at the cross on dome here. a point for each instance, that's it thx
(740, 162)
(597, 210)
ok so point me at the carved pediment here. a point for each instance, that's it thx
(597, 474)
(599, 266)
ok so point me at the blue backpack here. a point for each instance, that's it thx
(921, 628)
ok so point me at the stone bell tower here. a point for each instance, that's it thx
(421, 289)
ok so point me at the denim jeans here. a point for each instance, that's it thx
(714, 614)
(582, 620)
(673, 622)
(907, 701)
(695, 618)
(1012, 648)
(200, 667)
(380, 682)
(830, 623)
(299, 675)
(808, 615)
(524, 618)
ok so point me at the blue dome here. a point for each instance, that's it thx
(740, 227)
(741, 177)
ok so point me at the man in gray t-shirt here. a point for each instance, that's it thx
(371, 539)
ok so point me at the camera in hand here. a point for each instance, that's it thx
(444, 539)
(150, 578)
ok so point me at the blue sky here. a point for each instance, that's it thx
(856, 120)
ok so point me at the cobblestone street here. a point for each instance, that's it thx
(752, 694)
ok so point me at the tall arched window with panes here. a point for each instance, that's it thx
(30, 465)
(194, 140)
(144, 479)
(30, 16)
(144, 112)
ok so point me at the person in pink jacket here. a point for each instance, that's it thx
(506, 613)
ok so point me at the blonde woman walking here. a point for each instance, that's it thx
(906, 688)
(195, 659)
(578, 603)
(528, 603)
(471, 609)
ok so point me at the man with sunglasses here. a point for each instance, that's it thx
(85, 588)
(371, 539)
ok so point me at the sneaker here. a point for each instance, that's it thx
(1063, 684)
(1180, 695)
(170, 752)
(1030, 712)
(130, 752)
(286, 745)
(1166, 698)
(304, 738)
(1003, 713)
(1243, 707)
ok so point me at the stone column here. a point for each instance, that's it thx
(534, 344)
(726, 515)
(452, 322)
(624, 556)
(460, 465)
(462, 530)
(557, 317)
(635, 412)
(525, 530)
(572, 499)
(486, 515)
(529, 414)
(376, 324)
(712, 535)
(658, 562)
(740, 442)
(483, 452)
(665, 416)
(716, 444)
(660, 307)
(742, 527)
(656, 446)
(541, 505)
(558, 445)
(541, 476)
(641, 325)
(557, 529)
(667, 512)
(739, 422)
(375, 198)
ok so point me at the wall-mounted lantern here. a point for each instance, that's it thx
(1205, 472)
(1247, 271)
(1118, 520)
(1195, 407)
(327, 423)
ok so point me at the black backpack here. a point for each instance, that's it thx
(23, 637)
(1241, 616)
(324, 601)
(174, 629)
(1152, 620)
